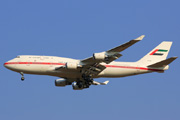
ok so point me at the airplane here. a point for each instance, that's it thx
(81, 73)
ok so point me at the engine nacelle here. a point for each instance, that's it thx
(61, 82)
(76, 87)
(99, 56)
(71, 66)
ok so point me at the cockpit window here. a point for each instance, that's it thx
(18, 57)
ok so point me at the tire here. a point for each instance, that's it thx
(22, 78)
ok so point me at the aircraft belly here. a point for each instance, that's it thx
(47, 70)
(65, 73)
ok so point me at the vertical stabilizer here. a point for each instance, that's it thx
(157, 54)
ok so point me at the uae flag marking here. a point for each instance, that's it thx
(158, 52)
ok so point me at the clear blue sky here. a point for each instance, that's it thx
(77, 29)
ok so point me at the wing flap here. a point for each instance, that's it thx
(93, 70)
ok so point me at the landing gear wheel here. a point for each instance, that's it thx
(22, 78)
(80, 84)
(88, 80)
(22, 74)
(86, 86)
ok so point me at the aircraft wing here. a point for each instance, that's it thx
(107, 56)
(125, 45)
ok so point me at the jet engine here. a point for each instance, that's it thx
(99, 56)
(61, 82)
(71, 66)
(77, 87)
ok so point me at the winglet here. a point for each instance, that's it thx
(140, 38)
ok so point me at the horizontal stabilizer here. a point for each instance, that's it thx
(163, 63)
(98, 83)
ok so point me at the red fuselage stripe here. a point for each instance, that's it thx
(131, 67)
(113, 66)
(41, 63)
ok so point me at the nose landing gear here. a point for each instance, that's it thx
(22, 76)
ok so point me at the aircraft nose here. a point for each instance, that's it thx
(6, 64)
(9, 65)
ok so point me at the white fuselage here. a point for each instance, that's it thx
(46, 65)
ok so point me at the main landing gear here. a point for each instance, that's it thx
(85, 82)
(22, 76)
(88, 81)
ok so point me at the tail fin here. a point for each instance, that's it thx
(157, 54)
